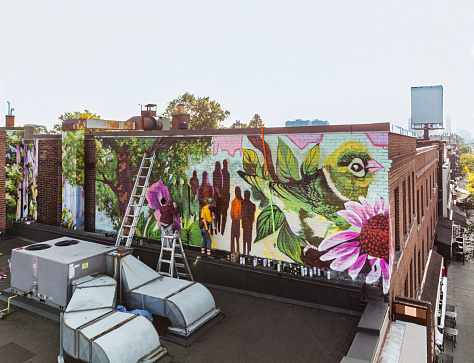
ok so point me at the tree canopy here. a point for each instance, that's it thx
(467, 162)
(465, 149)
(255, 122)
(39, 129)
(205, 113)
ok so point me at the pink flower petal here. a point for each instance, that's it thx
(341, 263)
(357, 209)
(385, 275)
(339, 251)
(337, 238)
(368, 208)
(373, 275)
(357, 266)
(351, 217)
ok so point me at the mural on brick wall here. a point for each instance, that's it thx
(21, 173)
(73, 179)
(320, 200)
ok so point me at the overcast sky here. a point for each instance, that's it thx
(344, 61)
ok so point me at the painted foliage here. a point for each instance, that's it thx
(21, 173)
(73, 179)
(321, 200)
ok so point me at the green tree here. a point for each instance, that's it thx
(467, 162)
(39, 129)
(205, 113)
(78, 114)
(465, 149)
(256, 121)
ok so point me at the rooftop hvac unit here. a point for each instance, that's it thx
(48, 268)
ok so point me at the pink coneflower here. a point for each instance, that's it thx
(352, 250)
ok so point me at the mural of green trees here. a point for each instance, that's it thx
(118, 161)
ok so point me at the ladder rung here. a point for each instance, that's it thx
(179, 265)
(167, 261)
(167, 249)
(178, 255)
(182, 274)
(144, 176)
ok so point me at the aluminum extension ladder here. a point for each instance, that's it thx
(177, 263)
(135, 204)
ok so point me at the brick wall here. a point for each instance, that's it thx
(49, 182)
(3, 214)
(89, 184)
(422, 164)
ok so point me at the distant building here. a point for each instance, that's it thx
(466, 135)
(299, 122)
(447, 125)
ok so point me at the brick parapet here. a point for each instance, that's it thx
(49, 184)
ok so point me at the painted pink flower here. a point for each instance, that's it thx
(154, 194)
(371, 245)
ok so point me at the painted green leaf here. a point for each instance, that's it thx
(154, 234)
(258, 195)
(288, 167)
(250, 161)
(140, 225)
(289, 243)
(192, 235)
(259, 171)
(310, 165)
(265, 222)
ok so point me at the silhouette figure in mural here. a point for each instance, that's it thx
(248, 217)
(225, 194)
(217, 183)
(194, 183)
(205, 191)
(236, 216)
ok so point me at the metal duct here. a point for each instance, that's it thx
(188, 305)
(94, 332)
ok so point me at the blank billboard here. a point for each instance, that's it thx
(426, 106)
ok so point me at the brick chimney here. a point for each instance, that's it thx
(10, 121)
(180, 120)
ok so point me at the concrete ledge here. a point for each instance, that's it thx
(373, 318)
(363, 347)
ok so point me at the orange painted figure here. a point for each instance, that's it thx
(236, 216)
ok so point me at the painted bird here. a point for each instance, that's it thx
(345, 175)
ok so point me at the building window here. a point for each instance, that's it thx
(414, 266)
(422, 203)
(411, 278)
(419, 267)
(406, 286)
(404, 203)
(431, 188)
(418, 219)
(397, 220)
(427, 193)
(423, 252)
(413, 189)
(409, 200)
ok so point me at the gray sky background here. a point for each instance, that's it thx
(344, 61)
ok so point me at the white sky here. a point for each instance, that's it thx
(344, 61)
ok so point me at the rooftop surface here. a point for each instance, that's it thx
(252, 330)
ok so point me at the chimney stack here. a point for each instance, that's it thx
(10, 121)
(180, 120)
(9, 118)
